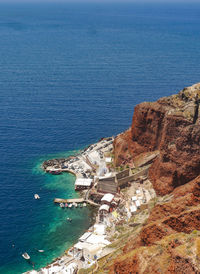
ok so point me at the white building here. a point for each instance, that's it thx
(82, 183)
(107, 198)
(108, 160)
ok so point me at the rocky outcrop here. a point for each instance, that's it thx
(123, 148)
(174, 254)
(179, 160)
(184, 197)
(170, 240)
(170, 126)
(168, 133)
(181, 213)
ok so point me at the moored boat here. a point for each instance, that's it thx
(69, 219)
(55, 172)
(26, 256)
(36, 196)
(62, 205)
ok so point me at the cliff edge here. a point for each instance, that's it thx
(171, 127)
(163, 237)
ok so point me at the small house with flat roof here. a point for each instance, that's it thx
(103, 211)
(83, 183)
(107, 199)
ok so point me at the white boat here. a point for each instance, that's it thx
(36, 196)
(84, 204)
(70, 205)
(26, 256)
(40, 250)
(68, 219)
(62, 205)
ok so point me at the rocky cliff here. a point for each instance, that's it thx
(170, 126)
(169, 242)
(165, 237)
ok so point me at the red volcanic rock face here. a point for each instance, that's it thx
(171, 225)
(123, 148)
(179, 160)
(147, 125)
(129, 266)
(180, 214)
(172, 126)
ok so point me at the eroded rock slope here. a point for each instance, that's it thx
(171, 126)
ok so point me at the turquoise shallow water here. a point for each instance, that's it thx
(69, 75)
(46, 224)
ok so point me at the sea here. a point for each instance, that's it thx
(71, 74)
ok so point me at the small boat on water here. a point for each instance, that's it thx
(36, 196)
(26, 256)
(62, 205)
(74, 204)
(68, 219)
(66, 204)
(84, 204)
(40, 250)
(70, 205)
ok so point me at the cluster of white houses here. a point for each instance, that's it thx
(107, 204)
(91, 168)
(111, 182)
(90, 244)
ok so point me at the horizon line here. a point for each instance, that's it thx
(100, 1)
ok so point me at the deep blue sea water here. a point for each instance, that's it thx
(70, 74)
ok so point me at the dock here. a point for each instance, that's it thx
(79, 200)
(91, 203)
(76, 200)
